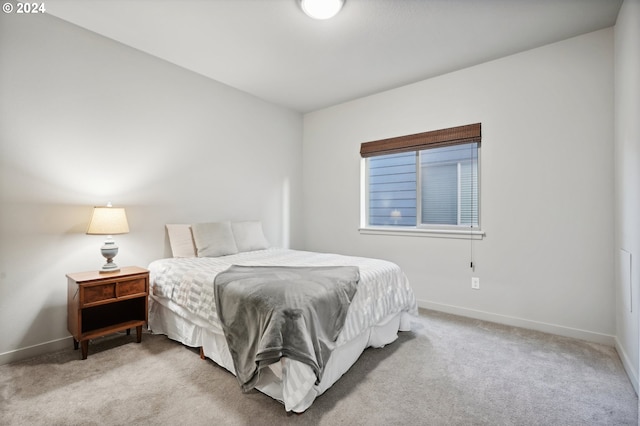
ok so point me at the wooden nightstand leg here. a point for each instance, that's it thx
(202, 353)
(85, 348)
(139, 334)
(128, 331)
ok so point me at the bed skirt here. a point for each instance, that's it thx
(288, 381)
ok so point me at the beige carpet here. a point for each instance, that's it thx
(447, 371)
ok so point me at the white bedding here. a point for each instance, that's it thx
(182, 306)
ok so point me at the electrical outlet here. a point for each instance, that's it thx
(475, 283)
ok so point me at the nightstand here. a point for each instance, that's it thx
(103, 303)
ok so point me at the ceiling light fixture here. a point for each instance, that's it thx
(321, 9)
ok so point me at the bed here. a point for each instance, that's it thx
(182, 303)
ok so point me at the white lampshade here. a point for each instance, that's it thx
(108, 221)
(321, 9)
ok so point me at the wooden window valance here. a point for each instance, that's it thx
(436, 138)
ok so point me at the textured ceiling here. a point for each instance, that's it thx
(270, 49)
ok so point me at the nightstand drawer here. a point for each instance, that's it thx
(98, 293)
(131, 287)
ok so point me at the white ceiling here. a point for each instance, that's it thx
(270, 49)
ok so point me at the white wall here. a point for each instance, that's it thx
(627, 182)
(85, 120)
(546, 186)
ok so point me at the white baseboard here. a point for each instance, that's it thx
(559, 330)
(35, 350)
(631, 370)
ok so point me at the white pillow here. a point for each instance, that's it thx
(213, 239)
(249, 235)
(181, 240)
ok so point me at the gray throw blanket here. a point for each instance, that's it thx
(269, 312)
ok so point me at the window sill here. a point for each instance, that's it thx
(421, 232)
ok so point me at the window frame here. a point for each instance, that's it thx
(416, 143)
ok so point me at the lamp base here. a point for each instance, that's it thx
(109, 267)
(109, 251)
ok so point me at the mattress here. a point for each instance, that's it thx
(182, 306)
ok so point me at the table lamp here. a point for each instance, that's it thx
(108, 221)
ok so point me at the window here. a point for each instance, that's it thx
(392, 189)
(424, 181)
(449, 185)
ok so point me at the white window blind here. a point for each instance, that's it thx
(448, 178)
